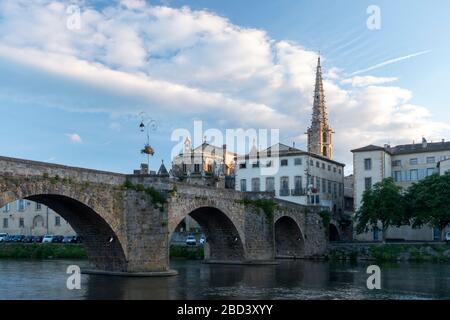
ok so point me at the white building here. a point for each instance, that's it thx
(406, 164)
(304, 177)
(24, 217)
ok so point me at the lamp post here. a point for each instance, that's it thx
(147, 125)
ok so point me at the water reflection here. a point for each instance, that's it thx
(288, 280)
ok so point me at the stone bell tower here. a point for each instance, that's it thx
(320, 135)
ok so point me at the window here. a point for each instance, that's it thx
(5, 223)
(430, 171)
(38, 206)
(7, 207)
(243, 185)
(368, 164)
(413, 161)
(184, 167)
(367, 183)
(255, 165)
(298, 183)
(21, 223)
(397, 176)
(197, 168)
(270, 184)
(311, 162)
(57, 221)
(396, 163)
(21, 205)
(431, 159)
(298, 161)
(340, 171)
(324, 185)
(335, 189)
(255, 185)
(414, 174)
(284, 186)
(334, 169)
(317, 164)
(329, 187)
(284, 162)
(329, 167)
(323, 166)
(242, 165)
(318, 184)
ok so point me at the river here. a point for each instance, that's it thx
(32, 279)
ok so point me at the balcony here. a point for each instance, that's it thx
(284, 192)
(297, 192)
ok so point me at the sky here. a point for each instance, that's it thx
(76, 77)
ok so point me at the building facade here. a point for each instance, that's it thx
(301, 177)
(205, 159)
(406, 164)
(24, 217)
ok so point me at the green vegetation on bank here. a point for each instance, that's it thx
(190, 253)
(392, 252)
(42, 251)
(425, 202)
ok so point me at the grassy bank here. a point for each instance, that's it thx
(76, 251)
(392, 252)
(42, 251)
(183, 252)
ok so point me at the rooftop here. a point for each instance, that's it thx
(424, 146)
(283, 150)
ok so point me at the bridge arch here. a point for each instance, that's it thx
(223, 238)
(88, 215)
(289, 239)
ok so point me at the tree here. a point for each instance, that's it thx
(383, 203)
(429, 202)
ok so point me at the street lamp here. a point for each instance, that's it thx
(151, 125)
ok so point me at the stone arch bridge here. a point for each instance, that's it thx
(127, 221)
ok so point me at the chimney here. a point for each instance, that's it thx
(424, 142)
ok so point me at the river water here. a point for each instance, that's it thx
(31, 279)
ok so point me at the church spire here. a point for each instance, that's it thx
(320, 133)
(319, 107)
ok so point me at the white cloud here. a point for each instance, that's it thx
(186, 64)
(74, 137)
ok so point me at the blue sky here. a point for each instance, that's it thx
(73, 96)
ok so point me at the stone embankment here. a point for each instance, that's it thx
(419, 252)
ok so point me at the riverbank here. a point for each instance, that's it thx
(77, 251)
(42, 251)
(390, 252)
(184, 252)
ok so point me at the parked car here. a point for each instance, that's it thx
(3, 237)
(447, 237)
(202, 240)
(9, 238)
(28, 239)
(37, 239)
(58, 239)
(71, 239)
(191, 241)
(18, 238)
(48, 238)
